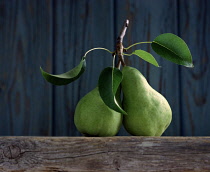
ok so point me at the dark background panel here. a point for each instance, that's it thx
(55, 35)
(25, 99)
(195, 84)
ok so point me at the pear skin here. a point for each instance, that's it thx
(93, 118)
(149, 113)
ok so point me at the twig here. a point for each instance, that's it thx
(119, 46)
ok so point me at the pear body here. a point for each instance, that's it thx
(93, 118)
(149, 113)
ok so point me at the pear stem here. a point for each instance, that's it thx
(119, 46)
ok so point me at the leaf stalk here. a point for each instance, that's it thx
(137, 44)
(98, 48)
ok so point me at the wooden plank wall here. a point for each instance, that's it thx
(55, 35)
(25, 44)
(195, 84)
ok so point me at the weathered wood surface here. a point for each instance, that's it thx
(47, 154)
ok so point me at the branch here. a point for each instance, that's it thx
(119, 45)
(123, 31)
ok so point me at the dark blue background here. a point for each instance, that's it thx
(55, 34)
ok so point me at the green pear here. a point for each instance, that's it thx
(93, 118)
(149, 113)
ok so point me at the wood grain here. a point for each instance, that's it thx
(195, 84)
(25, 45)
(47, 154)
(148, 20)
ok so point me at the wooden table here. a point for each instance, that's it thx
(63, 154)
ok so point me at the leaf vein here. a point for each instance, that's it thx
(167, 49)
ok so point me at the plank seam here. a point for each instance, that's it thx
(181, 130)
(53, 66)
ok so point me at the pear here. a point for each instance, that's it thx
(94, 118)
(149, 113)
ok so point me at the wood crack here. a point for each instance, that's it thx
(91, 154)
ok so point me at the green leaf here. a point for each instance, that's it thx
(67, 77)
(108, 83)
(146, 56)
(173, 48)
